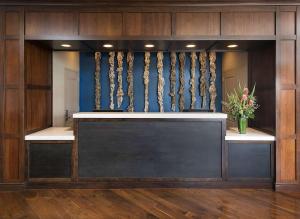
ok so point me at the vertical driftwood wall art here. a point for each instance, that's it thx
(173, 81)
(161, 81)
(146, 81)
(111, 61)
(202, 62)
(212, 87)
(192, 80)
(181, 80)
(120, 92)
(97, 81)
(130, 59)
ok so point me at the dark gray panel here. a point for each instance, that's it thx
(49, 160)
(249, 160)
(145, 149)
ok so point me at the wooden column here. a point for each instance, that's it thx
(12, 95)
(286, 87)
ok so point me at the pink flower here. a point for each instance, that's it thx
(246, 91)
(251, 102)
(244, 97)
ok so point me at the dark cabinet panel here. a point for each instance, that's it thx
(250, 160)
(50, 23)
(147, 24)
(100, 24)
(12, 112)
(50, 160)
(248, 23)
(150, 149)
(197, 24)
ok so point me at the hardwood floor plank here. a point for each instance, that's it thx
(148, 203)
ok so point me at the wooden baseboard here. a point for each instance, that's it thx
(11, 186)
(284, 187)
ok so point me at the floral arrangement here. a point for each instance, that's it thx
(241, 104)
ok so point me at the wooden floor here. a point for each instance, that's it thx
(148, 203)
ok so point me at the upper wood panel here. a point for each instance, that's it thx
(287, 23)
(196, 24)
(287, 62)
(147, 24)
(12, 62)
(37, 65)
(50, 23)
(12, 23)
(100, 24)
(248, 23)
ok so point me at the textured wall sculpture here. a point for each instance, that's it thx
(181, 80)
(173, 81)
(161, 81)
(111, 61)
(192, 80)
(97, 81)
(146, 81)
(212, 87)
(202, 62)
(120, 92)
(130, 59)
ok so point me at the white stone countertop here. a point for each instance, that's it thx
(150, 115)
(251, 135)
(52, 134)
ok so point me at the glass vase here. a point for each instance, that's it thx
(242, 125)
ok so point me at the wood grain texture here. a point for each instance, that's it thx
(12, 112)
(149, 203)
(100, 24)
(288, 160)
(287, 62)
(287, 23)
(12, 62)
(38, 90)
(147, 24)
(197, 24)
(50, 23)
(11, 159)
(248, 23)
(12, 23)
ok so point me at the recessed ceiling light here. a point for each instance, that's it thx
(232, 46)
(65, 45)
(149, 45)
(190, 46)
(108, 46)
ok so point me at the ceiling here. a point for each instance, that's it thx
(160, 45)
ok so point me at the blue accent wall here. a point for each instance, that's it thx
(87, 96)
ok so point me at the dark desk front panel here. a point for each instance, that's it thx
(49, 160)
(150, 149)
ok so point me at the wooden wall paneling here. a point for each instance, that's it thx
(38, 74)
(43, 23)
(1, 91)
(285, 101)
(147, 24)
(262, 73)
(197, 24)
(298, 93)
(287, 23)
(248, 23)
(13, 95)
(100, 24)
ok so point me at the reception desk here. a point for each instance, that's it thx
(150, 145)
(114, 150)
